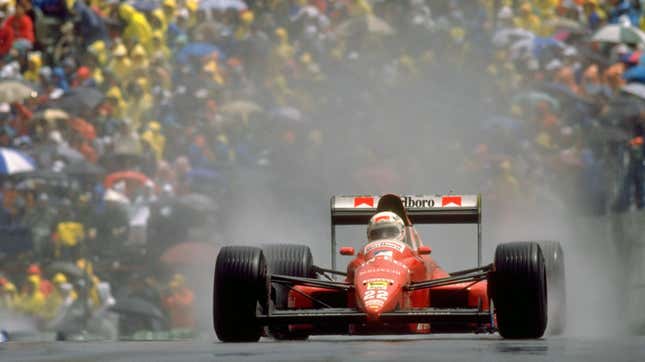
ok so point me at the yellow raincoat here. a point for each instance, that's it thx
(93, 293)
(70, 234)
(35, 63)
(212, 68)
(115, 94)
(359, 8)
(527, 19)
(139, 58)
(136, 108)
(121, 65)
(155, 139)
(137, 26)
(243, 30)
(160, 23)
(32, 301)
(8, 296)
(98, 49)
(169, 8)
(54, 301)
(159, 44)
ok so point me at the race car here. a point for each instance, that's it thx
(392, 285)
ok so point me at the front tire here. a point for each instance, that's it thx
(240, 287)
(519, 290)
(292, 260)
(556, 290)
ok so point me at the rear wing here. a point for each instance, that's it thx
(420, 209)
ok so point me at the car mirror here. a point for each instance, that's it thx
(424, 250)
(347, 250)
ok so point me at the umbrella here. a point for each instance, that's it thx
(68, 152)
(83, 168)
(502, 122)
(84, 128)
(137, 306)
(563, 93)
(241, 107)
(203, 176)
(619, 33)
(134, 176)
(15, 91)
(533, 98)
(43, 176)
(288, 114)
(189, 253)
(80, 100)
(13, 161)
(506, 36)
(534, 47)
(66, 268)
(196, 50)
(635, 74)
(146, 5)
(559, 22)
(636, 89)
(238, 5)
(116, 197)
(372, 24)
(52, 114)
(197, 202)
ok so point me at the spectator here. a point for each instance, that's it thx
(179, 304)
(22, 27)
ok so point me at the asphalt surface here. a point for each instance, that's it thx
(339, 348)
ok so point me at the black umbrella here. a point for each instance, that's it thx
(197, 202)
(66, 268)
(83, 168)
(137, 306)
(42, 177)
(80, 100)
(563, 93)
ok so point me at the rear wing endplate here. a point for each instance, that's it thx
(420, 209)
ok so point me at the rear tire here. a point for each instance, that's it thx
(240, 287)
(292, 260)
(556, 287)
(519, 290)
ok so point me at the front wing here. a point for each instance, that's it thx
(353, 316)
(347, 316)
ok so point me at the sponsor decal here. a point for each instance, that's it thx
(376, 295)
(384, 244)
(373, 303)
(384, 253)
(379, 270)
(411, 203)
(382, 218)
(451, 201)
(378, 284)
(364, 201)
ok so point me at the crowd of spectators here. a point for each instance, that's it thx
(132, 108)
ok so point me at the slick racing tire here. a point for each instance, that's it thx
(519, 290)
(292, 260)
(240, 288)
(556, 290)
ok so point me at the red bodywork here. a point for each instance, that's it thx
(379, 273)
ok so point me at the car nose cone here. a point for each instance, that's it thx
(378, 286)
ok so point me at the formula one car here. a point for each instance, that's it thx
(392, 286)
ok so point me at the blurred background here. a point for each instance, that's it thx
(138, 137)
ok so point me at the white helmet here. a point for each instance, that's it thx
(386, 225)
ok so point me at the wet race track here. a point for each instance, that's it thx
(386, 348)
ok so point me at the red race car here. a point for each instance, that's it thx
(392, 286)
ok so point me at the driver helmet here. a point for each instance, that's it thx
(386, 225)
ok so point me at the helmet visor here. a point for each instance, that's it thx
(386, 232)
